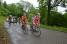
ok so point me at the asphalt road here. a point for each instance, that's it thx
(47, 37)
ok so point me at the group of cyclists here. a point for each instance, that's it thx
(12, 19)
(23, 19)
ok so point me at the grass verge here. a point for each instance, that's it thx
(3, 32)
(56, 28)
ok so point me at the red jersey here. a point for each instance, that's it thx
(36, 20)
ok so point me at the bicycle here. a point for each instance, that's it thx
(24, 28)
(35, 30)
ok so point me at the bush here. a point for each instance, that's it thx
(3, 11)
(65, 18)
(43, 14)
(55, 28)
(56, 19)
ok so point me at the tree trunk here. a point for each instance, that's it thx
(49, 9)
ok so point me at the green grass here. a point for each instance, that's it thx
(3, 32)
(56, 28)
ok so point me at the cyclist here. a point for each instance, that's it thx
(10, 19)
(24, 20)
(36, 21)
(15, 19)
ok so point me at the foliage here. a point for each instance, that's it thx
(43, 14)
(50, 4)
(43, 10)
(32, 10)
(14, 10)
(3, 11)
(3, 34)
(56, 19)
(65, 18)
(55, 28)
(17, 9)
(5, 4)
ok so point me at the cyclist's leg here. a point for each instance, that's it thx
(22, 25)
(9, 22)
(31, 27)
(34, 27)
(25, 27)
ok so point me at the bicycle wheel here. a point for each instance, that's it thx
(25, 29)
(37, 32)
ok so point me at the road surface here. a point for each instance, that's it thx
(47, 36)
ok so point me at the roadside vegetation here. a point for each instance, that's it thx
(3, 33)
(54, 28)
(55, 21)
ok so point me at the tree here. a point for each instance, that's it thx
(3, 11)
(12, 8)
(26, 5)
(43, 10)
(65, 18)
(32, 10)
(1, 2)
(5, 4)
(50, 4)
(56, 19)
(15, 9)
(19, 10)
